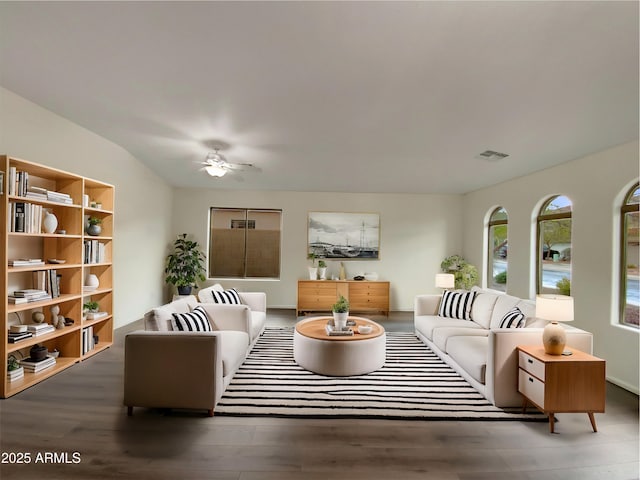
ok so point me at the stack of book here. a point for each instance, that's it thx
(94, 251)
(59, 197)
(14, 337)
(48, 281)
(29, 295)
(13, 375)
(25, 217)
(332, 331)
(38, 329)
(26, 262)
(35, 366)
(88, 340)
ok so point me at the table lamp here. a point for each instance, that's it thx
(555, 308)
(445, 280)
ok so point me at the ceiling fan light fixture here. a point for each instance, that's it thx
(215, 170)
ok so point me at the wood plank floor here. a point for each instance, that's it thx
(80, 410)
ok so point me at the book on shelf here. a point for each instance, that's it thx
(31, 295)
(26, 262)
(39, 329)
(13, 375)
(88, 342)
(17, 300)
(16, 337)
(1, 183)
(96, 315)
(34, 366)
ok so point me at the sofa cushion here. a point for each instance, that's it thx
(482, 308)
(195, 321)
(504, 303)
(425, 324)
(234, 350)
(470, 352)
(229, 297)
(159, 318)
(456, 304)
(514, 318)
(441, 335)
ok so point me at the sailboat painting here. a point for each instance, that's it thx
(344, 235)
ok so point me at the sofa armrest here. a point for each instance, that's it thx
(426, 304)
(173, 370)
(256, 301)
(502, 360)
(228, 317)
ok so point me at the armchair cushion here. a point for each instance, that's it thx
(159, 318)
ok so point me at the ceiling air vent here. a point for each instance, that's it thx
(492, 156)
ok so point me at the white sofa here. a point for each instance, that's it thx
(478, 349)
(174, 369)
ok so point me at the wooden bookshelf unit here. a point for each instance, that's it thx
(67, 245)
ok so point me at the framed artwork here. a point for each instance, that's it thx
(344, 235)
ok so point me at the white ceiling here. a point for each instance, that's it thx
(335, 96)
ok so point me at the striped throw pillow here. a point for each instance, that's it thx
(513, 319)
(194, 321)
(456, 304)
(226, 296)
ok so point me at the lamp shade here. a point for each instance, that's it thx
(445, 280)
(215, 170)
(557, 308)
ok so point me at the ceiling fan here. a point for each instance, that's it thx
(216, 165)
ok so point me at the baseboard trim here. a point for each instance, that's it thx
(623, 384)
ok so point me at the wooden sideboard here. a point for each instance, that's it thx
(364, 296)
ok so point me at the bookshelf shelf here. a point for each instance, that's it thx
(68, 196)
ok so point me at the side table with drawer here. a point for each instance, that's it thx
(561, 383)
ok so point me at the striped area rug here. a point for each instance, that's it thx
(413, 384)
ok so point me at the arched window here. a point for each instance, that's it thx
(630, 258)
(554, 246)
(497, 250)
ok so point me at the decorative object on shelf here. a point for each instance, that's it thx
(91, 282)
(37, 317)
(371, 276)
(340, 312)
(49, 222)
(343, 274)
(94, 229)
(185, 265)
(12, 363)
(57, 320)
(54, 353)
(85, 200)
(466, 275)
(322, 269)
(344, 235)
(445, 280)
(38, 352)
(556, 308)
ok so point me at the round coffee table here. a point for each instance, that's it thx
(338, 356)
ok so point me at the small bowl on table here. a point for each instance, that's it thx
(365, 329)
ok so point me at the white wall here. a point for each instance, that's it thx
(142, 204)
(416, 233)
(595, 184)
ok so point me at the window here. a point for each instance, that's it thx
(630, 258)
(244, 243)
(498, 250)
(554, 246)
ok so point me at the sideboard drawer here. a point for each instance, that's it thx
(531, 365)
(531, 387)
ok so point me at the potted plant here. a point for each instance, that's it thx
(340, 311)
(185, 265)
(322, 269)
(313, 270)
(91, 307)
(466, 275)
(94, 229)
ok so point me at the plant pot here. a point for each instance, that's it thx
(94, 230)
(322, 272)
(184, 290)
(340, 320)
(313, 273)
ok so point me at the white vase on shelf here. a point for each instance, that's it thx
(92, 282)
(49, 222)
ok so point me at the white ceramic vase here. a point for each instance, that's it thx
(92, 281)
(49, 222)
(340, 320)
(313, 273)
(322, 271)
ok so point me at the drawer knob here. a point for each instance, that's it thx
(531, 379)
(529, 360)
